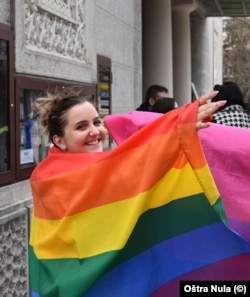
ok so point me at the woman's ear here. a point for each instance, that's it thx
(59, 142)
(151, 102)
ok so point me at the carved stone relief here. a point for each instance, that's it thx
(56, 27)
(13, 255)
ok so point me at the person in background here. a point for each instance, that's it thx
(153, 93)
(163, 105)
(234, 112)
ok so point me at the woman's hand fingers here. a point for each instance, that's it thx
(204, 98)
(207, 109)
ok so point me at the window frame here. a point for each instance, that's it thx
(43, 85)
(106, 62)
(6, 33)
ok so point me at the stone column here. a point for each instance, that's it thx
(182, 51)
(157, 44)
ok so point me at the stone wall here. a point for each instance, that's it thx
(15, 209)
(5, 15)
(13, 254)
(61, 39)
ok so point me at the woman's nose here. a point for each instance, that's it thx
(93, 130)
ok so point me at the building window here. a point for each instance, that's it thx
(4, 122)
(7, 156)
(32, 144)
(104, 81)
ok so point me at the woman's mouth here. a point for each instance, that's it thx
(93, 142)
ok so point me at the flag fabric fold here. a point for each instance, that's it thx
(226, 149)
(132, 221)
(227, 152)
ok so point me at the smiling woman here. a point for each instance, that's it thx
(101, 218)
(72, 122)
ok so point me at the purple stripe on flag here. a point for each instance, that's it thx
(145, 273)
(236, 268)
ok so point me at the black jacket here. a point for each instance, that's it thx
(143, 107)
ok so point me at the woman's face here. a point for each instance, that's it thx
(84, 132)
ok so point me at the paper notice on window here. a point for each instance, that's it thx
(26, 156)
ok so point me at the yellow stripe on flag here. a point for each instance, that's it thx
(70, 237)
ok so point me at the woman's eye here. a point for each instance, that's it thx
(97, 122)
(81, 127)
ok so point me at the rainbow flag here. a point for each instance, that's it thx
(132, 221)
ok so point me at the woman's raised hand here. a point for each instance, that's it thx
(206, 109)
